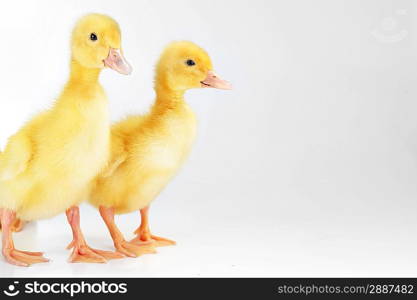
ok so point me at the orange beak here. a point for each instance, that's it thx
(116, 61)
(214, 81)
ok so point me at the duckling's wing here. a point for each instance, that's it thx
(117, 157)
(113, 165)
(120, 134)
(16, 156)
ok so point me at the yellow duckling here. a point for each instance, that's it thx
(148, 150)
(49, 164)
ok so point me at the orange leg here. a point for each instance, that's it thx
(82, 252)
(13, 256)
(143, 233)
(121, 245)
(17, 225)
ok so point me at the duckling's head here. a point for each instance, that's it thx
(96, 43)
(184, 65)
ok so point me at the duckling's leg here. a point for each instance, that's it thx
(17, 225)
(13, 256)
(144, 234)
(121, 245)
(82, 252)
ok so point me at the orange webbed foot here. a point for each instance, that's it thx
(134, 249)
(143, 233)
(86, 254)
(156, 241)
(23, 258)
(12, 255)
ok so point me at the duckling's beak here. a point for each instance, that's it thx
(116, 61)
(214, 81)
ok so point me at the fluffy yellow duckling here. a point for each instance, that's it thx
(49, 164)
(148, 150)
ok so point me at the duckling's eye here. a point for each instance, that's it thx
(93, 37)
(190, 62)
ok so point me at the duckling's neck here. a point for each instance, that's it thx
(168, 99)
(81, 75)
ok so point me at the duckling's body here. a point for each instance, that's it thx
(74, 133)
(155, 146)
(49, 165)
(148, 150)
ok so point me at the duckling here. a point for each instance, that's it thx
(49, 165)
(148, 150)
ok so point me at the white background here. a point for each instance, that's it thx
(307, 168)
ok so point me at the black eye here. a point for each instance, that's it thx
(93, 37)
(190, 62)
